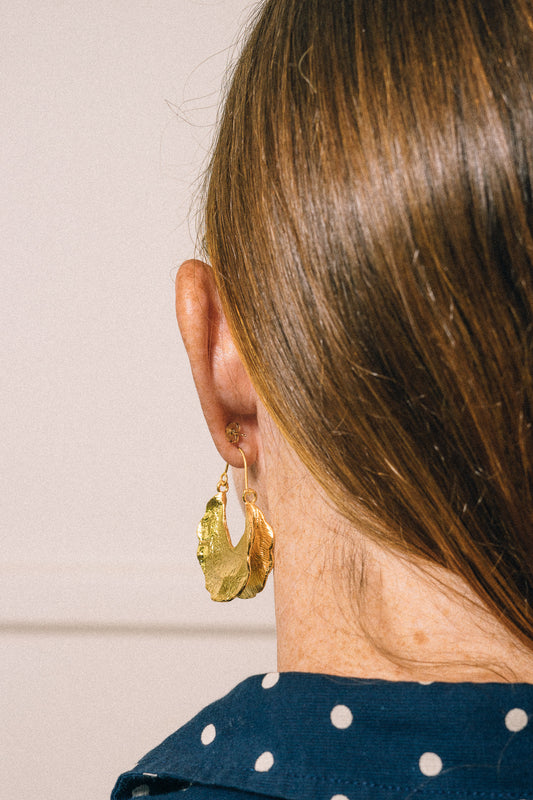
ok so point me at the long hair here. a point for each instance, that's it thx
(369, 219)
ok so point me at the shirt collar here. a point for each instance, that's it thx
(318, 737)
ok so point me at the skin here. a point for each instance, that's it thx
(344, 605)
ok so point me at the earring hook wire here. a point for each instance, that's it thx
(249, 495)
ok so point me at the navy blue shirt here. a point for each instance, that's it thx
(301, 736)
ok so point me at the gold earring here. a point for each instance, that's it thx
(239, 571)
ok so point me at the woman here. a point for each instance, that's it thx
(365, 331)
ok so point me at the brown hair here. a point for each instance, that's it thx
(369, 218)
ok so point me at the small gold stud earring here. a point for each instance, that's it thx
(234, 433)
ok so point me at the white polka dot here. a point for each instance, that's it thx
(270, 680)
(341, 717)
(339, 797)
(430, 764)
(264, 762)
(141, 791)
(516, 720)
(425, 683)
(149, 774)
(208, 734)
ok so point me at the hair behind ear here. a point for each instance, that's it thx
(369, 215)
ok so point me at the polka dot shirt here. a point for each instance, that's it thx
(299, 736)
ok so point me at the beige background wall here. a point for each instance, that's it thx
(107, 639)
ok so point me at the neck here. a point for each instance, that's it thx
(345, 606)
(395, 622)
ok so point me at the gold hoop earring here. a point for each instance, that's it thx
(239, 571)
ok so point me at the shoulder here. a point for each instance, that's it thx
(209, 756)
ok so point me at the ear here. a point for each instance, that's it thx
(225, 390)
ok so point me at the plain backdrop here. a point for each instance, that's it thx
(108, 640)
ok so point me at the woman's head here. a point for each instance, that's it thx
(369, 220)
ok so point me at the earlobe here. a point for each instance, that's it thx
(225, 390)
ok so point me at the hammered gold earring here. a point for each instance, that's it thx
(239, 571)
